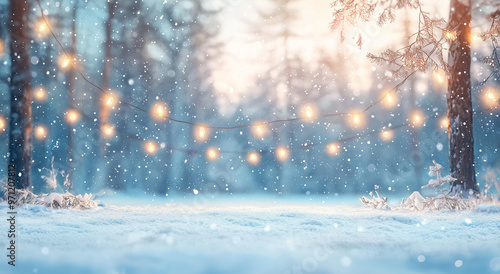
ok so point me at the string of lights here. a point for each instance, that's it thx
(159, 110)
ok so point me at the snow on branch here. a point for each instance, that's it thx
(52, 199)
(378, 201)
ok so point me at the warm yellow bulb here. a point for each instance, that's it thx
(41, 133)
(309, 112)
(42, 28)
(108, 130)
(282, 154)
(489, 98)
(259, 130)
(201, 133)
(417, 118)
(150, 147)
(439, 77)
(389, 100)
(159, 111)
(444, 122)
(386, 135)
(110, 100)
(64, 62)
(72, 116)
(3, 123)
(253, 158)
(40, 94)
(2, 48)
(355, 120)
(333, 149)
(212, 154)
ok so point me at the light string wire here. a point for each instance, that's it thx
(394, 89)
(86, 79)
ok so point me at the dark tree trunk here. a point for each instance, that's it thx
(461, 141)
(20, 144)
(71, 95)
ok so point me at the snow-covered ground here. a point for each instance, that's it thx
(251, 235)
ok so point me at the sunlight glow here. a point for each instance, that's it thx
(72, 116)
(253, 158)
(41, 133)
(282, 154)
(333, 149)
(212, 154)
(40, 94)
(108, 130)
(150, 147)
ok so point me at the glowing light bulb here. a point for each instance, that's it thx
(108, 130)
(150, 147)
(417, 118)
(110, 100)
(444, 122)
(42, 28)
(159, 111)
(355, 120)
(475, 37)
(439, 77)
(333, 149)
(2, 48)
(3, 123)
(309, 112)
(450, 35)
(386, 135)
(489, 99)
(282, 154)
(389, 100)
(212, 154)
(64, 62)
(41, 132)
(40, 94)
(259, 130)
(72, 116)
(253, 158)
(201, 133)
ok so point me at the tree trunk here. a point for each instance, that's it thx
(71, 97)
(20, 144)
(461, 141)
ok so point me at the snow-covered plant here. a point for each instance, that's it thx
(378, 201)
(446, 200)
(51, 179)
(439, 181)
(52, 199)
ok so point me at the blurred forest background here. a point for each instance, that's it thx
(225, 63)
